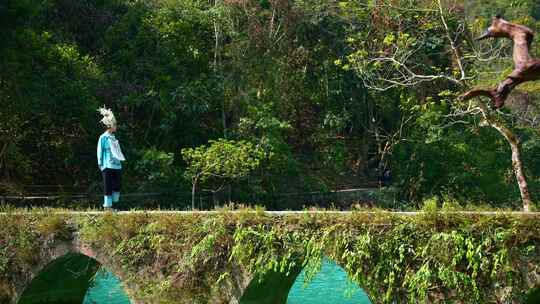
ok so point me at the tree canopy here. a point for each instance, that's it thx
(295, 78)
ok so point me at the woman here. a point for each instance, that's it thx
(110, 157)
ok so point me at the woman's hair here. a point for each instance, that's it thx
(108, 119)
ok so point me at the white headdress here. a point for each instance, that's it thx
(108, 117)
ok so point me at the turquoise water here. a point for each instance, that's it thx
(329, 286)
(106, 288)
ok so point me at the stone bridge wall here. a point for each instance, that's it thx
(213, 257)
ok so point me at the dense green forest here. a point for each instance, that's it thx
(309, 95)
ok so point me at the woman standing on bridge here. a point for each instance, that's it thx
(110, 158)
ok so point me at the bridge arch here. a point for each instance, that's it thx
(221, 274)
(73, 265)
(69, 276)
(275, 287)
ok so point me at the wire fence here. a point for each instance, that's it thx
(177, 199)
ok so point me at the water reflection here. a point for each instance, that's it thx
(329, 286)
(106, 289)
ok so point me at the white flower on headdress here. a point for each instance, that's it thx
(108, 117)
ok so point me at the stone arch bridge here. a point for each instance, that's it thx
(244, 257)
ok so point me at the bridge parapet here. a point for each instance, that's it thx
(213, 257)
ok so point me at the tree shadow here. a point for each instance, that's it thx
(66, 279)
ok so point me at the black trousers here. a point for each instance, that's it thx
(112, 179)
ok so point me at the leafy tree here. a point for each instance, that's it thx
(295, 78)
(222, 161)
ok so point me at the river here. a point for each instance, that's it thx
(329, 286)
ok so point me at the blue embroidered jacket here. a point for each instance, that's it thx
(105, 157)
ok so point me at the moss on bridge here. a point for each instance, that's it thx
(211, 258)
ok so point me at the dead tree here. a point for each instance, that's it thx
(397, 66)
(526, 68)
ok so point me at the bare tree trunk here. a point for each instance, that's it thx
(520, 176)
(517, 165)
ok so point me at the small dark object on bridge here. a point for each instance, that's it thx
(526, 68)
(385, 178)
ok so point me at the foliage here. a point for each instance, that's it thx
(291, 77)
(222, 160)
(432, 257)
(158, 167)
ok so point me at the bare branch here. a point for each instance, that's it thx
(452, 43)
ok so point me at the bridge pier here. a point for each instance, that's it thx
(272, 289)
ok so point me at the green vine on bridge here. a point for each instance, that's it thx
(428, 258)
